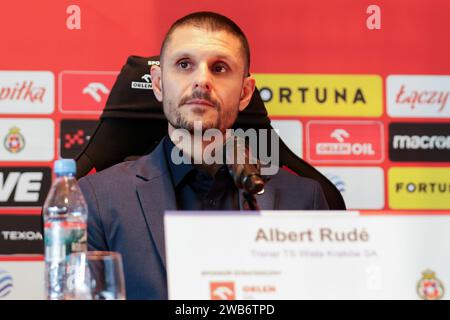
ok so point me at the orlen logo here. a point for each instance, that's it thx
(6, 283)
(26, 92)
(418, 96)
(222, 291)
(24, 186)
(85, 91)
(146, 84)
(419, 188)
(321, 95)
(259, 289)
(345, 141)
(96, 90)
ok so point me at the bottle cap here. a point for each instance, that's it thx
(65, 166)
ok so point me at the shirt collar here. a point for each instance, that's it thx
(178, 171)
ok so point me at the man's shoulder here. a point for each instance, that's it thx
(149, 165)
(121, 172)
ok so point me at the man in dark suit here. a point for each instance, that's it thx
(203, 78)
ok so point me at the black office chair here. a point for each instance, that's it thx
(133, 123)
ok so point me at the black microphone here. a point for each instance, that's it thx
(245, 169)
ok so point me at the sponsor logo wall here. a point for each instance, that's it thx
(378, 139)
(380, 134)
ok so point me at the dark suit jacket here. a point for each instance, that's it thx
(126, 206)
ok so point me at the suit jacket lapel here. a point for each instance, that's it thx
(156, 195)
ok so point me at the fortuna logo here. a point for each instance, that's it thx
(23, 91)
(93, 88)
(422, 187)
(14, 140)
(414, 97)
(421, 142)
(222, 291)
(429, 287)
(342, 147)
(147, 85)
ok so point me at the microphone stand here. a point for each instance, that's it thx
(250, 202)
(246, 176)
(251, 185)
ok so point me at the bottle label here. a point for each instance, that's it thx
(64, 238)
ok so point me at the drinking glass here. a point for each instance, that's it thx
(94, 275)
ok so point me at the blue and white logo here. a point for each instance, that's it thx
(361, 187)
(6, 283)
(337, 181)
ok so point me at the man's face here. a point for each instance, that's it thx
(202, 79)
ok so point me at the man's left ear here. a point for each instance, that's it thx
(247, 92)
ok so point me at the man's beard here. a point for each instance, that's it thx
(179, 121)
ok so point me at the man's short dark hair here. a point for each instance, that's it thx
(210, 21)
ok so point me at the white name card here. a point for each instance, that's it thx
(310, 255)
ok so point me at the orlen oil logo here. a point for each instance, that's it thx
(222, 291)
(85, 91)
(24, 186)
(419, 142)
(418, 96)
(344, 141)
(419, 188)
(321, 95)
(27, 92)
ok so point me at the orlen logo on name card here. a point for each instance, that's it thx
(27, 139)
(419, 188)
(85, 91)
(27, 92)
(417, 141)
(222, 291)
(345, 141)
(352, 183)
(321, 95)
(418, 96)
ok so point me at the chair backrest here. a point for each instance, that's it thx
(133, 123)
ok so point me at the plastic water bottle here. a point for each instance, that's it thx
(65, 221)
